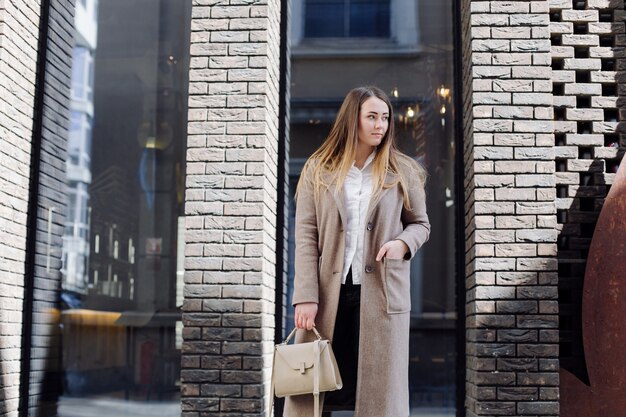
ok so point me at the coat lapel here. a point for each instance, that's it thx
(390, 178)
(340, 201)
(338, 196)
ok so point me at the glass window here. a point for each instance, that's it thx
(86, 143)
(71, 214)
(75, 121)
(119, 314)
(78, 72)
(325, 18)
(77, 133)
(369, 19)
(89, 78)
(82, 73)
(347, 18)
(420, 88)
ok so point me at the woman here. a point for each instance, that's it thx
(360, 218)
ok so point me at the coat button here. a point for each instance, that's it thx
(369, 269)
(370, 226)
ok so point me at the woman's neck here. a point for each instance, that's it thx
(362, 152)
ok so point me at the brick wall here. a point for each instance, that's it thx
(231, 207)
(511, 279)
(19, 22)
(45, 376)
(587, 38)
(530, 182)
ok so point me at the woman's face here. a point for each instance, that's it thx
(373, 122)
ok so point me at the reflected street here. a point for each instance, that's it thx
(420, 412)
(97, 407)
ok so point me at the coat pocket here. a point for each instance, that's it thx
(397, 285)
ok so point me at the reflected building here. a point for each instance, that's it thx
(75, 256)
(118, 308)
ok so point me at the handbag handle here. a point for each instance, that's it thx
(316, 376)
(293, 332)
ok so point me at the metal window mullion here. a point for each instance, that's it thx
(346, 18)
(459, 190)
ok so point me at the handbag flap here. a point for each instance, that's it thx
(300, 353)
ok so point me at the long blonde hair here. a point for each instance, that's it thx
(331, 162)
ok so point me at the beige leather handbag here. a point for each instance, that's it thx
(304, 368)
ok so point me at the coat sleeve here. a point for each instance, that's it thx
(415, 221)
(306, 279)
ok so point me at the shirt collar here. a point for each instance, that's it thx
(368, 161)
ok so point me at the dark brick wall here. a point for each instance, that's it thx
(45, 356)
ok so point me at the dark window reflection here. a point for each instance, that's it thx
(120, 321)
(347, 18)
(414, 65)
(369, 18)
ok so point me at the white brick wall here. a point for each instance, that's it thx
(512, 342)
(19, 22)
(231, 207)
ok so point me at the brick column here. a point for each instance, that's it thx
(231, 206)
(45, 375)
(18, 54)
(511, 278)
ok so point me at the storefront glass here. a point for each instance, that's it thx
(406, 48)
(118, 316)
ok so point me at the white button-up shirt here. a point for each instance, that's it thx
(357, 189)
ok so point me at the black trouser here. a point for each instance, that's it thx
(346, 347)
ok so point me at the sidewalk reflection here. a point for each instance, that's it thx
(418, 412)
(98, 407)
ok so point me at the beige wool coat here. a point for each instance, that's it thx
(382, 379)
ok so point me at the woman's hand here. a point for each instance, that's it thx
(305, 315)
(394, 249)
